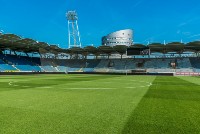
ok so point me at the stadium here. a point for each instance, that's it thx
(47, 89)
(119, 87)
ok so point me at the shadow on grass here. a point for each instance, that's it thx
(171, 105)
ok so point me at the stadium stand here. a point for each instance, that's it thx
(118, 64)
(62, 68)
(49, 58)
(22, 63)
(183, 63)
(130, 64)
(6, 67)
(195, 62)
(103, 63)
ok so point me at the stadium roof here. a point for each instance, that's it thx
(16, 43)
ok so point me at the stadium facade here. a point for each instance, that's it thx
(122, 37)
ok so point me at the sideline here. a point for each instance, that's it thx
(142, 85)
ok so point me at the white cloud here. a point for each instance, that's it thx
(137, 3)
(195, 35)
(186, 33)
(182, 24)
(188, 21)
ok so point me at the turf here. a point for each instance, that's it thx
(88, 104)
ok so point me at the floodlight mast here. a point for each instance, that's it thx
(73, 29)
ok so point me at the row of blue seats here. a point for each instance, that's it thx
(17, 63)
(28, 68)
(6, 67)
(23, 63)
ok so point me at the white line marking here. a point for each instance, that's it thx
(130, 87)
(45, 87)
(25, 86)
(91, 88)
(11, 84)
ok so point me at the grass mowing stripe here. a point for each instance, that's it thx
(69, 111)
(192, 79)
(27, 82)
(167, 108)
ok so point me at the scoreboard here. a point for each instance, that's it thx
(138, 51)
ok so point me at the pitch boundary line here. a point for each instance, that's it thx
(92, 88)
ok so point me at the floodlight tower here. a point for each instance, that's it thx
(73, 30)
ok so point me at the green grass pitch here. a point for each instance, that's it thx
(99, 104)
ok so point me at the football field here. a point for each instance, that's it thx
(99, 104)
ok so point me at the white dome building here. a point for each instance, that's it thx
(122, 37)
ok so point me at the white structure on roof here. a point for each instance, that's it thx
(122, 37)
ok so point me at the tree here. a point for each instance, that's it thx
(24, 45)
(193, 47)
(92, 50)
(7, 40)
(175, 47)
(121, 49)
(86, 52)
(42, 48)
(75, 51)
(107, 50)
(137, 46)
(157, 48)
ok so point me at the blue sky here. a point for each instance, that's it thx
(151, 20)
